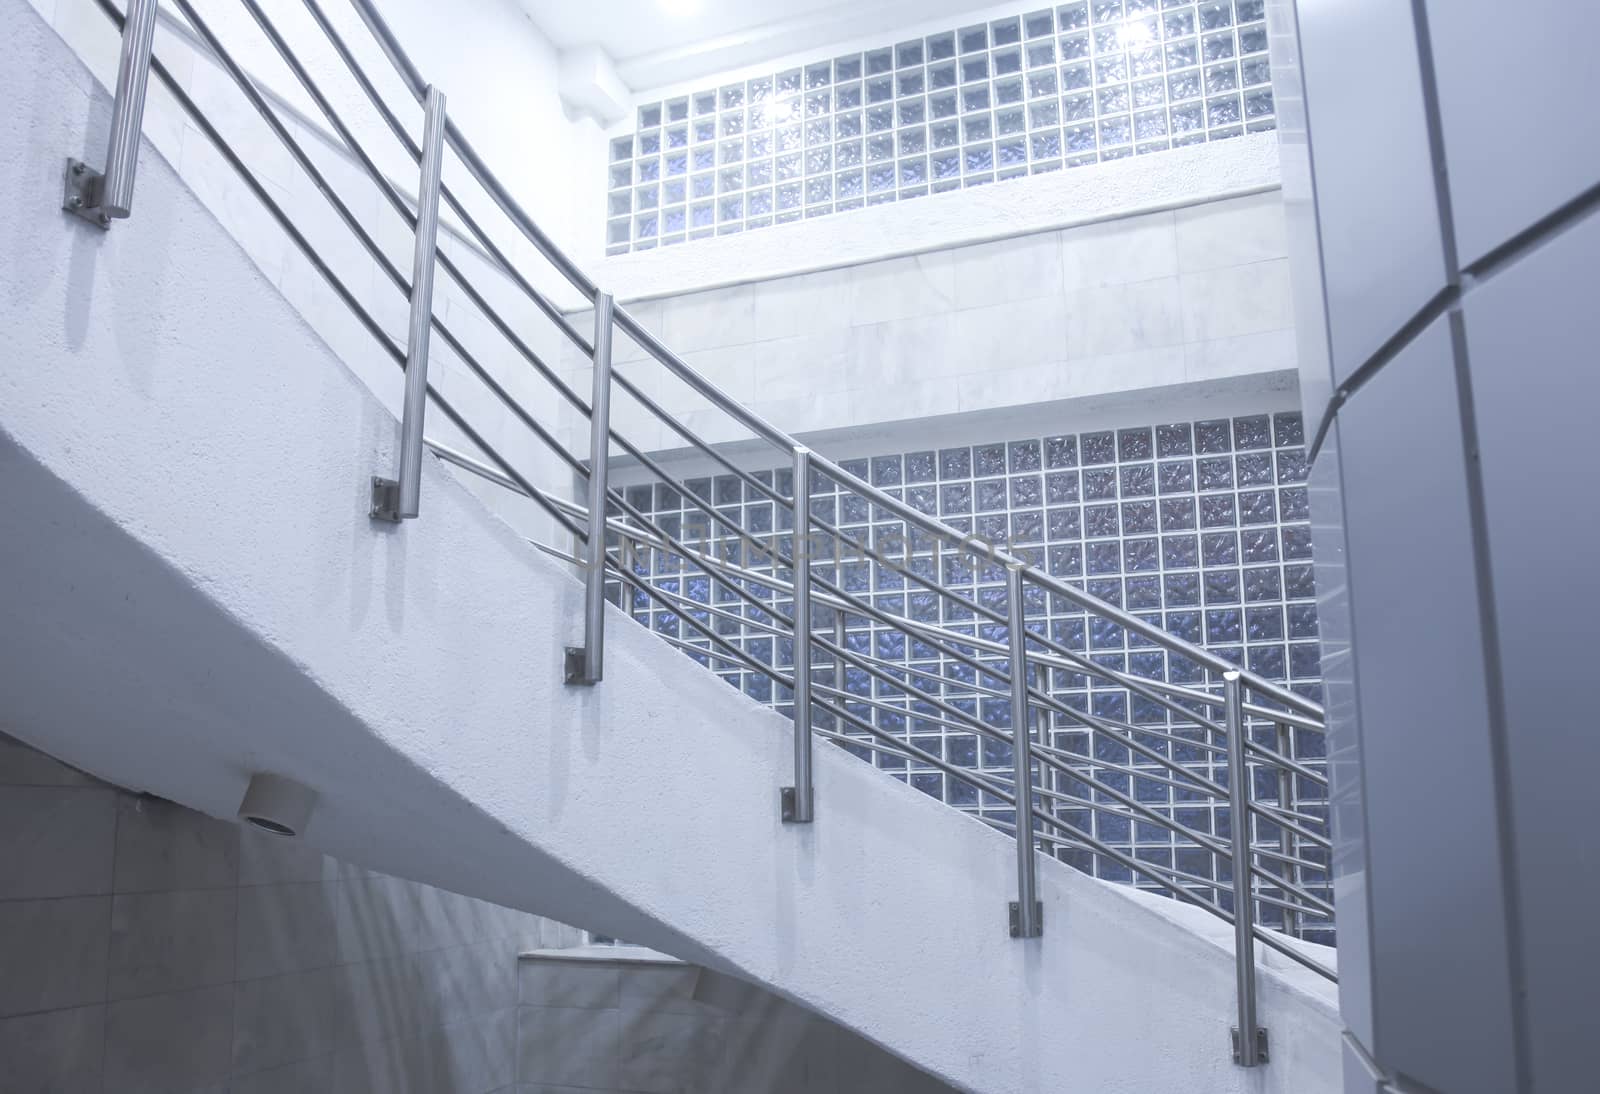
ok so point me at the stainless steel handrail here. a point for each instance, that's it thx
(1280, 870)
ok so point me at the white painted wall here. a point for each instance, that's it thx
(198, 594)
(1133, 307)
(1040, 203)
(500, 76)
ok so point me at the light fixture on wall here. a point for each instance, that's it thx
(277, 804)
(680, 9)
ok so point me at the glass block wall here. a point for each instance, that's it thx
(1202, 528)
(1066, 86)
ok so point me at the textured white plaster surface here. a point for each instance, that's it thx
(195, 593)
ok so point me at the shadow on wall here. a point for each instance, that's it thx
(147, 947)
(622, 1020)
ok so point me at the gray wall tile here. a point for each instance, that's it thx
(663, 989)
(569, 1046)
(670, 1053)
(1435, 873)
(287, 928)
(53, 953)
(376, 917)
(282, 1019)
(569, 984)
(162, 846)
(167, 942)
(222, 986)
(55, 841)
(314, 1076)
(1364, 93)
(61, 1050)
(169, 1044)
(1510, 166)
(1531, 333)
(271, 860)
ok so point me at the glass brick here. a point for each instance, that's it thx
(913, 171)
(1046, 145)
(979, 158)
(1254, 71)
(1008, 92)
(1258, 103)
(1221, 112)
(1183, 85)
(880, 61)
(1215, 14)
(1099, 448)
(880, 119)
(1180, 552)
(1110, 70)
(1145, 62)
(787, 83)
(975, 99)
(1177, 514)
(1217, 510)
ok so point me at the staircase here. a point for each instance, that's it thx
(200, 594)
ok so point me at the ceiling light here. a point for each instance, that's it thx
(277, 804)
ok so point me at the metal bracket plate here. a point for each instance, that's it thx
(787, 798)
(80, 193)
(1038, 918)
(574, 667)
(1261, 1044)
(385, 500)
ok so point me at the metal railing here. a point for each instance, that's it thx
(992, 670)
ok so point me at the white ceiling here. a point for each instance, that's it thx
(653, 47)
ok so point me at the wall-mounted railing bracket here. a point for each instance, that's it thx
(575, 673)
(80, 193)
(791, 814)
(385, 500)
(99, 197)
(1261, 1046)
(1035, 929)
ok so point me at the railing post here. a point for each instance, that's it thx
(1288, 843)
(1027, 914)
(797, 799)
(1249, 1039)
(585, 663)
(87, 193)
(400, 498)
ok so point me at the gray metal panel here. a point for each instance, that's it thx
(1516, 101)
(1382, 254)
(1531, 333)
(1358, 1077)
(1346, 798)
(1300, 217)
(1440, 975)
